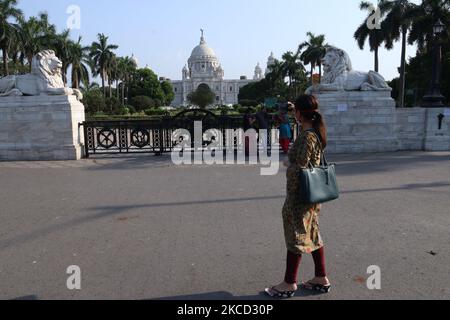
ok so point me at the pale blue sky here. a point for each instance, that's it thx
(162, 33)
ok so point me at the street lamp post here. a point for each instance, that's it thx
(434, 98)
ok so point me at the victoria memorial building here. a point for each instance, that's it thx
(204, 67)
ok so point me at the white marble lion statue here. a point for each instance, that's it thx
(340, 76)
(45, 79)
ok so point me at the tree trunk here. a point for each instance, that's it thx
(103, 83)
(320, 73)
(123, 92)
(376, 59)
(5, 61)
(75, 81)
(312, 74)
(64, 73)
(30, 59)
(402, 70)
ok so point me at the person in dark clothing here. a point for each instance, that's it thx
(263, 121)
(249, 122)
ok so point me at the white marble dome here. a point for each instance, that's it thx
(204, 63)
(202, 51)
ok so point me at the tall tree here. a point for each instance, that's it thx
(8, 12)
(61, 43)
(202, 97)
(425, 17)
(376, 37)
(35, 34)
(294, 70)
(127, 67)
(314, 50)
(399, 19)
(275, 79)
(102, 54)
(79, 62)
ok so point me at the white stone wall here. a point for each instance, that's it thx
(41, 128)
(437, 139)
(359, 122)
(369, 122)
(410, 128)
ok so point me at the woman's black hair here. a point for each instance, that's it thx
(308, 106)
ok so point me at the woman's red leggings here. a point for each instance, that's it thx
(293, 264)
(285, 142)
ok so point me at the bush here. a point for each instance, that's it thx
(94, 101)
(124, 111)
(248, 103)
(131, 109)
(244, 110)
(155, 112)
(113, 105)
(142, 103)
(157, 103)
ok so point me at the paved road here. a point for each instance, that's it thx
(141, 228)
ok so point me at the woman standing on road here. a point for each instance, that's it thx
(301, 221)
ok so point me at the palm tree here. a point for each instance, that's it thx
(294, 69)
(61, 43)
(375, 36)
(111, 72)
(35, 34)
(398, 21)
(314, 50)
(8, 12)
(126, 68)
(101, 54)
(78, 61)
(275, 76)
(425, 17)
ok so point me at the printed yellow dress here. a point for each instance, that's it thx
(301, 221)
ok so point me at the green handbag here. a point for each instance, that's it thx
(318, 184)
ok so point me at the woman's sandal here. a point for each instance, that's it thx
(274, 293)
(316, 287)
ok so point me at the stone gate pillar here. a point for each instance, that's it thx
(41, 128)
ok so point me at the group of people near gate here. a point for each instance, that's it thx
(262, 120)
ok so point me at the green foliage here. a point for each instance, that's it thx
(418, 77)
(255, 91)
(94, 101)
(248, 103)
(141, 103)
(145, 83)
(131, 109)
(155, 112)
(244, 110)
(123, 111)
(202, 97)
(113, 105)
(168, 92)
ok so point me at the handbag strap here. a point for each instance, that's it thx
(323, 159)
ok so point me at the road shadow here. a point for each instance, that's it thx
(223, 295)
(346, 164)
(101, 212)
(26, 298)
(359, 164)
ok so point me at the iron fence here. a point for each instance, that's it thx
(156, 135)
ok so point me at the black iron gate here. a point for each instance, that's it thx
(152, 136)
